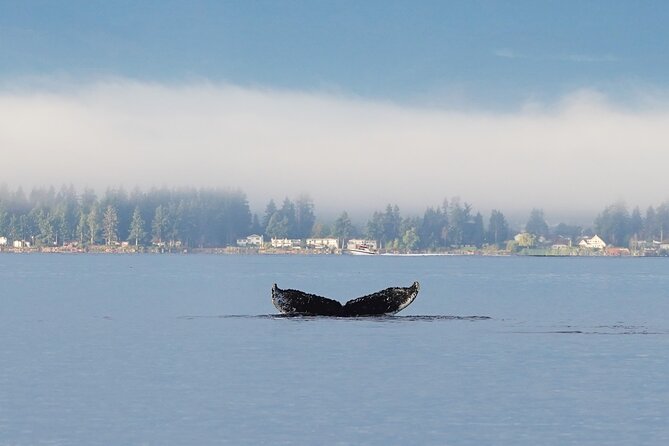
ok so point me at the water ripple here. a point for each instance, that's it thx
(615, 329)
(389, 318)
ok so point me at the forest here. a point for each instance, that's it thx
(203, 218)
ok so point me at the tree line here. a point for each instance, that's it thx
(620, 227)
(187, 217)
(451, 224)
(204, 218)
(455, 224)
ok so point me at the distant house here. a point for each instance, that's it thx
(615, 251)
(3, 241)
(21, 244)
(286, 243)
(323, 243)
(251, 240)
(592, 243)
(561, 243)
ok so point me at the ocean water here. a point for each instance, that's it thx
(188, 350)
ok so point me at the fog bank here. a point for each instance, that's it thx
(572, 157)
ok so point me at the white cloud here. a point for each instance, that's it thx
(575, 156)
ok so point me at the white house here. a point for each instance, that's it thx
(323, 243)
(286, 243)
(21, 244)
(3, 241)
(251, 240)
(592, 243)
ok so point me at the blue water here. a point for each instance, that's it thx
(186, 350)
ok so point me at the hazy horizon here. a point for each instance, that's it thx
(512, 107)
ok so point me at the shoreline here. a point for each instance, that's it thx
(101, 249)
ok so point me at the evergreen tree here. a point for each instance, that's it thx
(4, 221)
(88, 200)
(613, 224)
(573, 232)
(458, 218)
(159, 224)
(391, 222)
(93, 221)
(110, 225)
(651, 225)
(304, 216)
(256, 228)
(343, 228)
(663, 220)
(278, 226)
(270, 210)
(118, 199)
(385, 227)
(137, 231)
(82, 227)
(66, 213)
(433, 229)
(375, 229)
(498, 229)
(636, 223)
(321, 230)
(288, 214)
(536, 224)
(477, 233)
(410, 239)
(45, 227)
(174, 222)
(14, 229)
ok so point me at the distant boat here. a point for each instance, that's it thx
(361, 249)
(361, 252)
(388, 301)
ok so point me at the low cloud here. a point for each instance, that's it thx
(349, 154)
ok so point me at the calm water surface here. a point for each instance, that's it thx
(184, 350)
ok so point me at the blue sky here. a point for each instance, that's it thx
(481, 52)
(562, 105)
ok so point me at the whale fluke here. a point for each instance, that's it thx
(388, 301)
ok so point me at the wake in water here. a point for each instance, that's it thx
(615, 329)
(386, 318)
